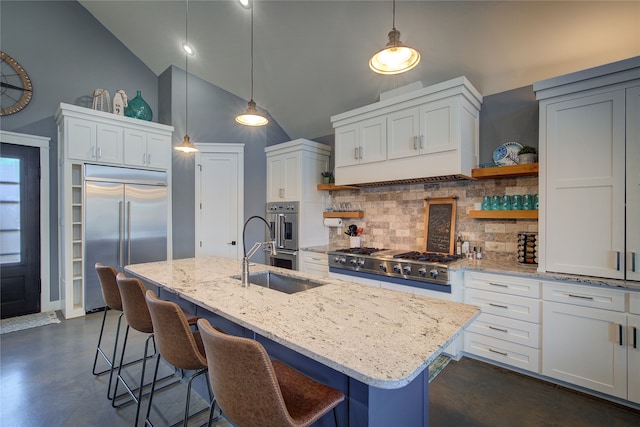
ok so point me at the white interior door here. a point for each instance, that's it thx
(219, 200)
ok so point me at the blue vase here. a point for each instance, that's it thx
(138, 108)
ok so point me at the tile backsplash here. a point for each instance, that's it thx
(394, 215)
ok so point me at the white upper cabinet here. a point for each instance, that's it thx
(147, 149)
(633, 184)
(361, 143)
(293, 170)
(94, 141)
(425, 133)
(588, 155)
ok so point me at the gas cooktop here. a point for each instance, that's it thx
(421, 266)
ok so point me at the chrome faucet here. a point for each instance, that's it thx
(254, 249)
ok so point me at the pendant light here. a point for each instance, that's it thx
(252, 117)
(186, 146)
(395, 57)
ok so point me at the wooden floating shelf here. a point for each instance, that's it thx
(358, 214)
(530, 214)
(332, 187)
(529, 169)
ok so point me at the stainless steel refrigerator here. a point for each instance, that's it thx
(125, 222)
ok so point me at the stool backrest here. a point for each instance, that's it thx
(244, 382)
(176, 343)
(108, 285)
(134, 305)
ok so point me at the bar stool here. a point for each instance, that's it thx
(111, 296)
(177, 344)
(137, 314)
(251, 390)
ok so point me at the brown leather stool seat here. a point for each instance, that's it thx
(251, 390)
(111, 296)
(177, 344)
(135, 309)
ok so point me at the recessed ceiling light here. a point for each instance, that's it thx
(188, 49)
(245, 3)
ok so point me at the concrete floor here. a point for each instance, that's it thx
(46, 380)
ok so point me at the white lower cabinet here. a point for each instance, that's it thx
(508, 328)
(313, 263)
(588, 339)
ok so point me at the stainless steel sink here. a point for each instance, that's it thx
(279, 282)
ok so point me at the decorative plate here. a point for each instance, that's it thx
(507, 154)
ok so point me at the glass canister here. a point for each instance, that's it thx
(496, 203)
(486, 203)
(506, 202)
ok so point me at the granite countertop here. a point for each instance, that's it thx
(502, 267)
(380, 337)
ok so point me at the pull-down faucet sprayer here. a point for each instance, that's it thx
(254, 249)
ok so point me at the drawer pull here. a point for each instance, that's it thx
(633, 262)
(580, 296)
(498, 329)
(503, 353)
(635, 337)
(499, 284)
(498, 305)
(618, 260)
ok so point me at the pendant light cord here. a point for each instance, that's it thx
(186, 73)
(252, 4)
(394, 14)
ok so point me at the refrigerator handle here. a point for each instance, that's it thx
(128, 232)
(120, 235)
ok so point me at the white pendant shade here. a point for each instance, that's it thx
(186, 146)
(252, 117)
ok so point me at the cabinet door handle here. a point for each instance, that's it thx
(503, 353)
(144, 158)
(355, 153)
(415, 142)
(633, 262)
(498, 305)
(580, 296)
(421, 141)
(620, 334)
(99, 152)
(635, 337)
(149, 158)
(498, 329)
(94, 151)
(360, 152)
(617, 260)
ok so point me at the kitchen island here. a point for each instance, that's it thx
(375, 345)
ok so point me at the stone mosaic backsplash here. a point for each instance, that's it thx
(394, 215)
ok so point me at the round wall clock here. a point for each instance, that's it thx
(15, 86)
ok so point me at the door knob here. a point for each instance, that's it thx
(232, 243)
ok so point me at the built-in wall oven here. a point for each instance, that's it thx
(283, 220)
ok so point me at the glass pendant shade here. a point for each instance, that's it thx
(252, 117)
(395, 57)
(186, 146)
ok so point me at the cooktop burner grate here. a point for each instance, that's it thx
(427, 257)
(359, 251)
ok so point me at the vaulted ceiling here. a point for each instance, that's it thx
(311, 57)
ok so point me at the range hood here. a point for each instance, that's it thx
(422, 136)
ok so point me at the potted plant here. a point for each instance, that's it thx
(527, 154)
(327, 177)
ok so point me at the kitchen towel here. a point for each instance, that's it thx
(333, 222)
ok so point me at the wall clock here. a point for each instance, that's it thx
(16, 89)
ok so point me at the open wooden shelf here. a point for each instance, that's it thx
(357, 214)
(530, 214)
(529, 169)
(332, 187)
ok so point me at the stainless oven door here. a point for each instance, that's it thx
(284, 230)
(284, 259)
